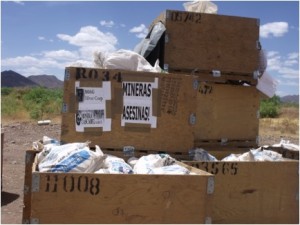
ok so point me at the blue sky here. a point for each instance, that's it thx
(45, 37)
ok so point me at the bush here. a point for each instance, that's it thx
(269, 108)
(6, 91)
(41, 101)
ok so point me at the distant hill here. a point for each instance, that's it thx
(49, 81)
(290, 99)
(10, 78)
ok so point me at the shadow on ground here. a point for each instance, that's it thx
(7, 197)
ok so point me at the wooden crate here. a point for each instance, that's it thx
(227, 116)
(88, 198)
(254, 192)
(208, 42)
(164, 125)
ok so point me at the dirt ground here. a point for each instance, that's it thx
(18, 138)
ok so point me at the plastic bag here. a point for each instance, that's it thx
(172, 169)
(125, 60)
(146, 46)
(74, 157)
(115, 165)
(200, 154)
(145, 164)
(201, 7)
(267, 85)
(255, 155)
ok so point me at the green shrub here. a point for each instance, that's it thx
(6, 91)
(34, 102)
(269, 108)
(41, 101)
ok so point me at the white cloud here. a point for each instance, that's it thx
(107, 23)
(276, 29)
(90, 36)
(88, 40)
(140, 31)
(61, 55)
(19, 2)
(285, 66)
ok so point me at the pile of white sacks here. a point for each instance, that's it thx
(78, 157)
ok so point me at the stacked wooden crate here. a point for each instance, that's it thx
(208, 99)
(223, 52)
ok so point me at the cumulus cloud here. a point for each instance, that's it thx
(91, 36)
(286, 66)
(276, 29)
(140, 31)
(61, 55)
(19, 2)
(107, 23)
(87, 40)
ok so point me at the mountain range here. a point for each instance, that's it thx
(11, 78)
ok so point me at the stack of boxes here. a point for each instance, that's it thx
(224, 53)
(208, 99)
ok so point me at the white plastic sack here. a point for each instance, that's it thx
(287, 145)
(255, 155)
(200, 154)
(145, 164)
(172, 169)
(201, 7)
(267, 85)
(74, 157)
(115, 165)
(125, 60)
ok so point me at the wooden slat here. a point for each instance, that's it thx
(114, 198)
(211, 42)
(227, 112)
(254, 192)
(173, 133)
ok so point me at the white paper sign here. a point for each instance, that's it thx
(137, 103)
(92, 107)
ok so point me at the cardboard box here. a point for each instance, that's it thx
(254, 192)
(89, 198)
(209, 42)
(113, 109)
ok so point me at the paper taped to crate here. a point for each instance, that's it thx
(201, 7)
(124, 60)
(74, 157)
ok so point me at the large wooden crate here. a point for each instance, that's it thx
(209, 42)
(97, 108)
(89, 198)
(254, 192)
(184, 111)
(227, 116)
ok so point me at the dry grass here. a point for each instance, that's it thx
(287, 125)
